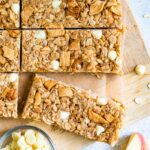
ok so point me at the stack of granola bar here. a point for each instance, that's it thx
(61, 36)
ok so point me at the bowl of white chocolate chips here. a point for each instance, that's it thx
(26, 138)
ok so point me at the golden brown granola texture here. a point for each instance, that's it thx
(8, 18)
(48, 98)
(8, 96)
(72, 14)
(74, 50)
(9, 51)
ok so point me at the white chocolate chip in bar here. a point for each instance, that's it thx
(15, 8)
(97, 34)
(13, 77)
(99, 129)
(102, 101)
(55, 64)
(40, 34)
(56, 4)
(64, 115)
(112, 55)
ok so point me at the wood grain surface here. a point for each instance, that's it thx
(127, 87)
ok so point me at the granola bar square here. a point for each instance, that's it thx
(74, 109)
(72, 51)
(8, 94)
(9, 14)
(9, 50)
(72, 14)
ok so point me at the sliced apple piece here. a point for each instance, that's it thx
(143, 141)
(137, 142)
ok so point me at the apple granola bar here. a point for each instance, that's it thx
(71, 51)
(9, 14)
(8, 94)
(72, 109)
(71, 14)
(9, 50)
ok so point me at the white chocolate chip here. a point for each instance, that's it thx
(138, 100)
(16, 135)
(112, 55)
(140, 69)
(55, 64)
(41, 34)
(102, 101)
(15, 8)
(99, 130)
(64, 115)
(56, 4)
(30, 137)
(146, 15)
(97, 34)
(13, 77)
(21, 142)
(148, 85)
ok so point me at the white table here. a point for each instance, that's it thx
(139, 9)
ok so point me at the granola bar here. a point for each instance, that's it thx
(71, 13)
(9, 50)
(71, 51)
(8, 94)
(73, 109)
(9, 14)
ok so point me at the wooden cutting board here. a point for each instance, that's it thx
(127, 87)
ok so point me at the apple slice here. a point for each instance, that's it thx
(143, 141)
(137, 142)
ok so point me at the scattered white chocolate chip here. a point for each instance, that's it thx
(40, 34)
(97, 34)
(55, 64)
(112, 55)
(99, 130)
(148, 85)
(140, 69)
(56, 4)
(64, 115)
(15, 8)
(146, 15)
(13, 77)
(102, 101)
(138, 100)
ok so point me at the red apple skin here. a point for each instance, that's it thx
(143, 142)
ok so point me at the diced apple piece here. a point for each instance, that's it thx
(143, 141)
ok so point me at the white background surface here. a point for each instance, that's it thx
(139, 9)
